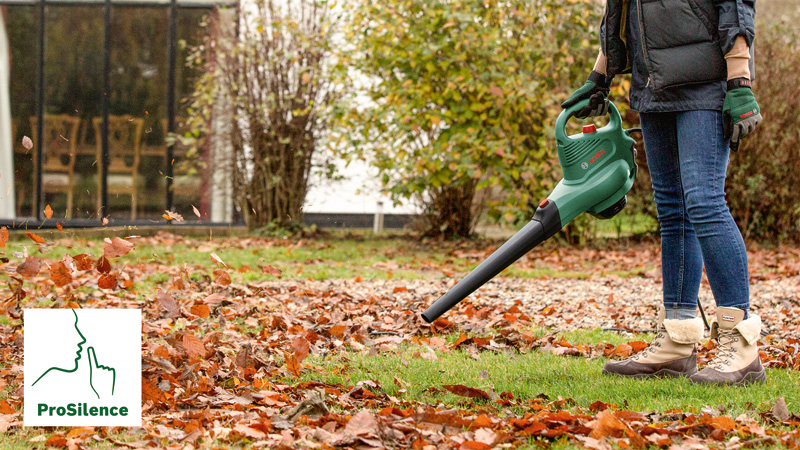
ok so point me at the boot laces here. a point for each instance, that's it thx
(725, 349)
(652, 348)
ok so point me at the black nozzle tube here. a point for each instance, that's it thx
(545, 223)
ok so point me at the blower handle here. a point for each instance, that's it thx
(614, 122)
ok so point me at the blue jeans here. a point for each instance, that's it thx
(688, 158)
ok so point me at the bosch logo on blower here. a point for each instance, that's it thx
(597, 156)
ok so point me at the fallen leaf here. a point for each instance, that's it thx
(465, 391)
(36, 238)
(193, 345)
(117, 247)
(269, 270)
(172, 215)
(780, 411)
(200, 310)
(107, 281)
(29, 268)
(3, 237)
(362, 423)
(56, 440)
(222, 278)
(5, 407)
(60, 275)
(216, 258)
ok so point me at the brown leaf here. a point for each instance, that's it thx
(36, 238)
(172, 215)
(82, 261)
(337, 331)
(200, 310)
(30, 268)
(216, 258)
(780, 411)
(269, 270)
(60, 275)
(56, 440)
(3, 237)
(117, 247)
(151, 391)
(222, 278)
(48, 212)
(622, 351)
(193, 345)
(301, 348)
(103, 265)
(107, 281)
(168, 304)
(464, 391)
(461, 339)
(362, 423)
(474, 445)
(291, 363)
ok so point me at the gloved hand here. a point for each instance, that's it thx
(740, 112)
(596, 89)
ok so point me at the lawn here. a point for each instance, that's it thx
(518, 364)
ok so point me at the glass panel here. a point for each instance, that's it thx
(22, 29)
(73, 100)
(190, 174)
(137, 151)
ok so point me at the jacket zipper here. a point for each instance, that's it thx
(644, 47)
(605, 37)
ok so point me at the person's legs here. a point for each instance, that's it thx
(681, 258)
(672, 351)
(703, 165)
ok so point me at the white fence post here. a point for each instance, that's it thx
(377, 223)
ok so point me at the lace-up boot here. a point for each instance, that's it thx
(736, 359)
(670, 354)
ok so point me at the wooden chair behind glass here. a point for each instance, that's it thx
(60, 138)
(124, 152)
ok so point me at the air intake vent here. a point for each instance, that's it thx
(578, 149)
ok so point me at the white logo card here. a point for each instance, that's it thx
(83, 367)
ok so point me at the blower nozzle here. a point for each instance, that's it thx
(545, 223)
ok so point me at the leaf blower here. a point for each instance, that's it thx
(598, 168)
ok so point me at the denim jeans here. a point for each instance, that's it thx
(688, 159)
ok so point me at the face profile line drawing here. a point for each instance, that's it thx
(93, 364)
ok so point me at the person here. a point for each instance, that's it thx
(691, 65)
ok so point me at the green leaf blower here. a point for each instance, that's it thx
(598, 168)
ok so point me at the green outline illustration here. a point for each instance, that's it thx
(92, 355)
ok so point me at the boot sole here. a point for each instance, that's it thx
(758, 376)
(663, 373)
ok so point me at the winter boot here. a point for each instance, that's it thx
(670, 354)
(736, 360)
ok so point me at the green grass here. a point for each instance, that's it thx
(535, 373)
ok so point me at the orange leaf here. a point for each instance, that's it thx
(193, 345)
(200, 310)
(36, 238)
(151, 391)
(622, 351)
(56, 440)
(60, 274)
(337, 331)
(107, 281)
(399, 289)
(3, 237)
(48, 212)
(117, 247)
(30, 268)
(5, 408)
(301, 348)
(83, 261)
(222, 278)
(291, 363)
(59, 226)
(461, 339)
(474, 445)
